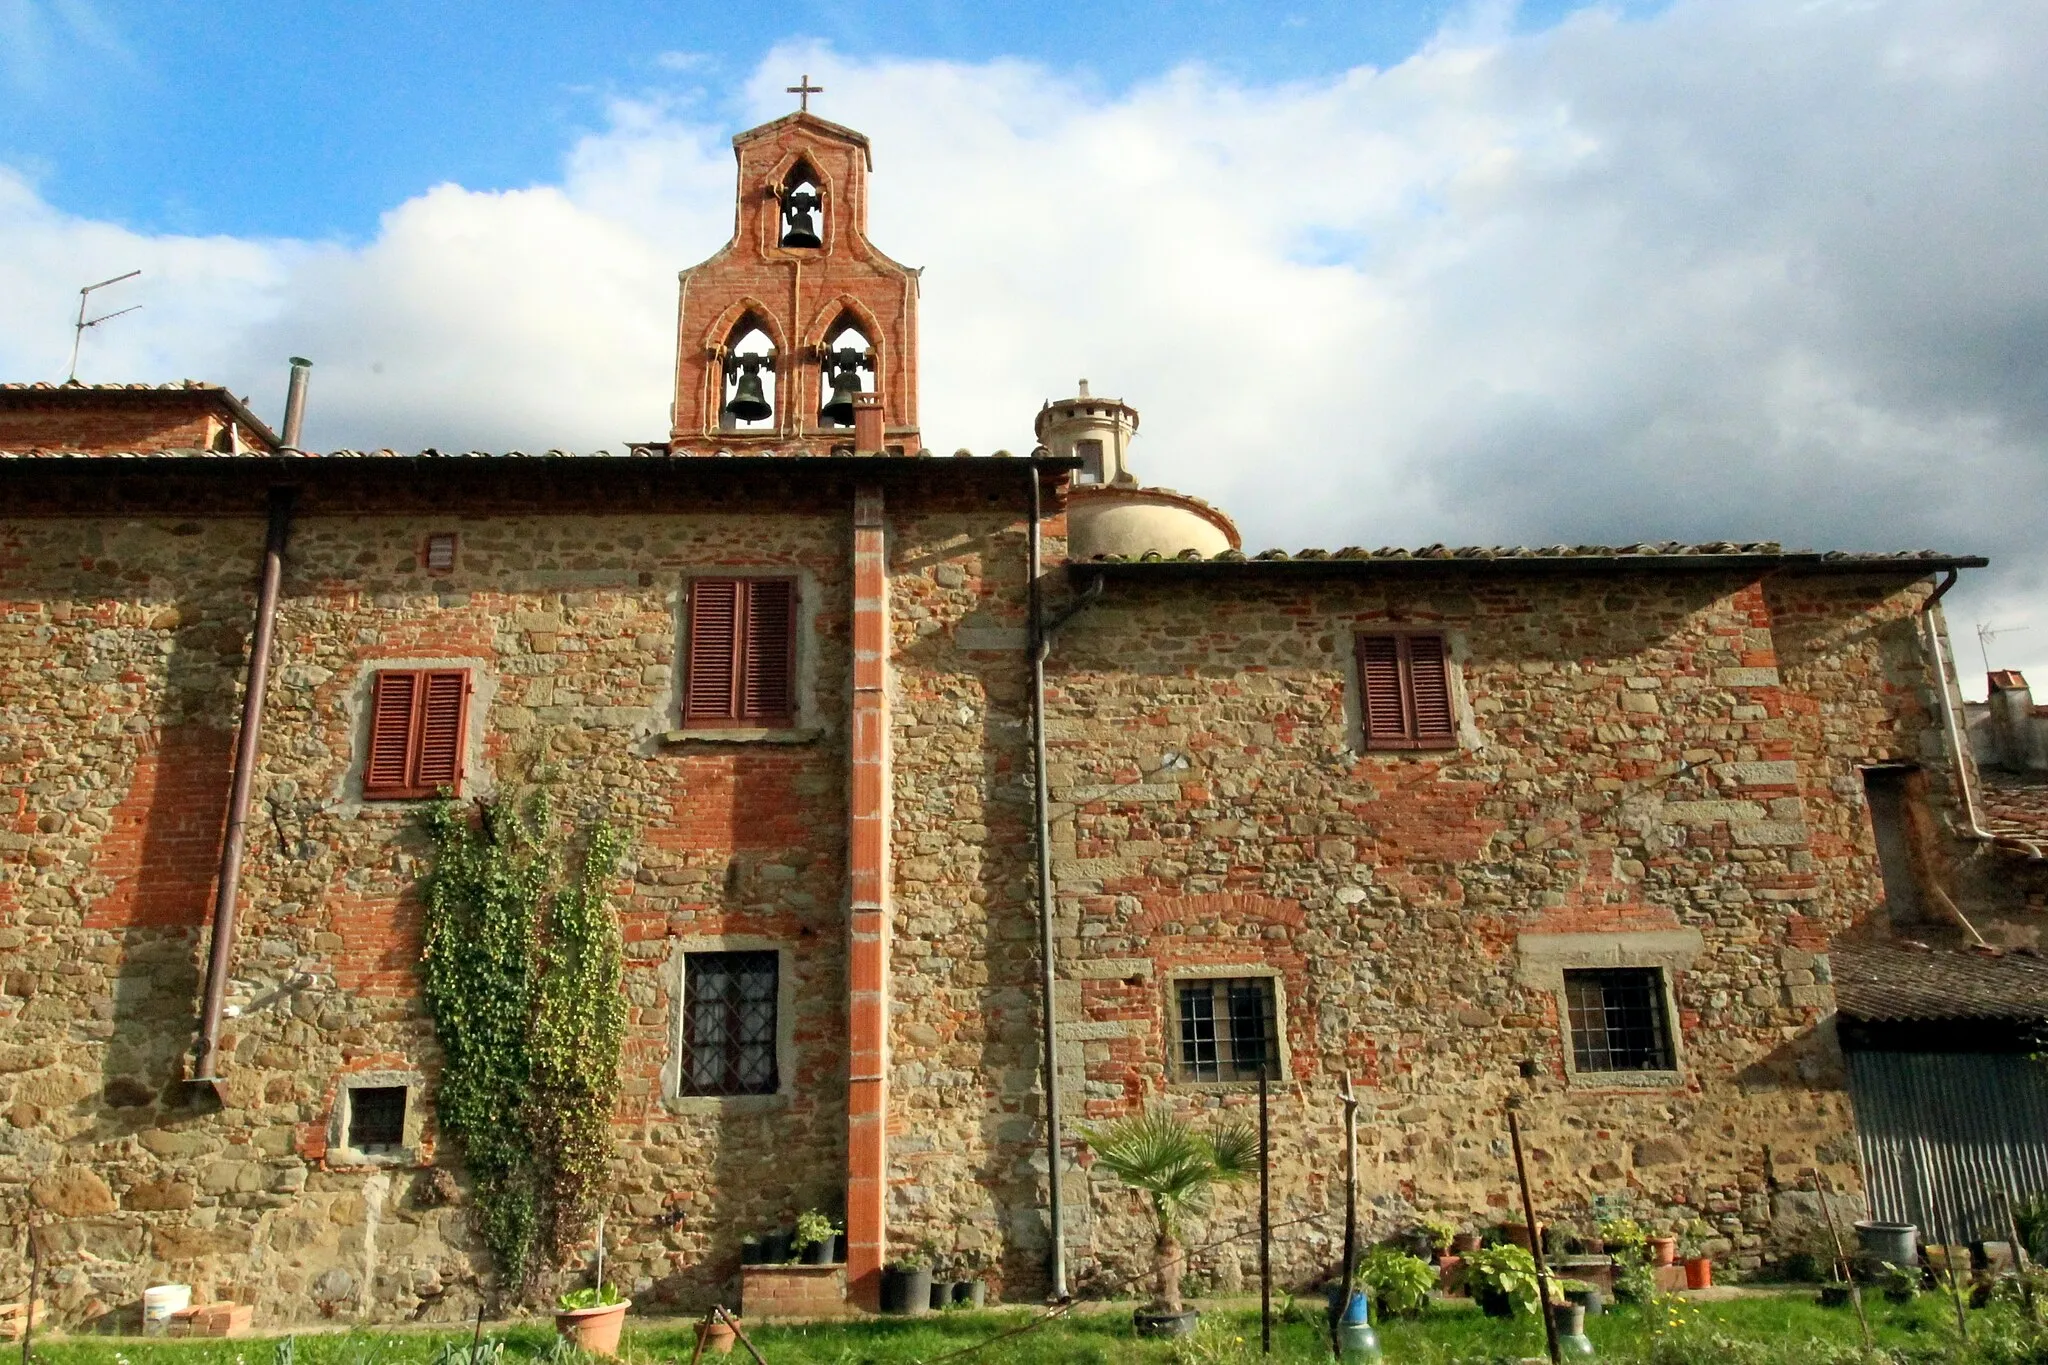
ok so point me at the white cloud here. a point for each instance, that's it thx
(1740, 270)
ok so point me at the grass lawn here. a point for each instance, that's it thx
(1781, 1327)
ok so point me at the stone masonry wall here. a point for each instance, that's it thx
(119, 673)
(1665, 762)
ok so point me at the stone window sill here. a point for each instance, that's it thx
(802, 734)
(350, 1158)
(1628, 1080)
(726, 1104)
(1224, 1087)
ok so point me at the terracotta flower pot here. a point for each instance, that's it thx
(1699, 1272)
(595, 1330)
(1664, 1250)
(718, 1337)
(1465, 1241)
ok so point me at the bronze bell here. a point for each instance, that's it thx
(799, 227)
(838, 409)
(749, 401)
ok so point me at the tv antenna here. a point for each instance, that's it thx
(1986, 633)
(78, 328)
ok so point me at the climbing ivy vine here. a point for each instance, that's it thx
(522, 968)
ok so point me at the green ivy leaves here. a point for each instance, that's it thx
(522, 973)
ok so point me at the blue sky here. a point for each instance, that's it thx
(1373, 273)
(309, 120)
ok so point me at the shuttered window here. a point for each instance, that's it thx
(741, 666)
(1406, 680)
(418, 721)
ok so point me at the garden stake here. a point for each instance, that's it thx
(698, 1354)
(35, 1284)
(1535, 1236)
(1350, 1215)
(740, 1332)
(2012, 1229)
(1842, 1266)
(1265, 1224)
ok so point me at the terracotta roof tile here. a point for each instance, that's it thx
(1891, 981)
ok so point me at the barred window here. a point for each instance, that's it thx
(1618, 1020)
(1229, 1029)
(376, 1118)
(729, 1024)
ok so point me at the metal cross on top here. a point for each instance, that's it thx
(803, 90)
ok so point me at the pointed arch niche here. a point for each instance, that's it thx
(747, 395)
(847, 364)
(801, 194)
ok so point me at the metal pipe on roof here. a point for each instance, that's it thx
(295, 404)
(220, 952)
(1958, 755)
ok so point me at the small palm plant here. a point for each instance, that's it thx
(1178, 1168)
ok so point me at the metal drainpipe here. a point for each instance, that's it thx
(1956, 739)
(1041, 803)
(221, 951)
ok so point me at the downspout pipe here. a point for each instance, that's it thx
(220, 954)
(1042, 633)
(1972, 827)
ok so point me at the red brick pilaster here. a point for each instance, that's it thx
(867, 1097)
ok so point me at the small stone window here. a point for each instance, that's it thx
(1090, 453)
(376, 1118)
(1617, 1020)
(439, 555)
(1229, 1029)
(729, 1009)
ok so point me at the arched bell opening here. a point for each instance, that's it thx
(846, 369)
(749, 388)
(803, 208)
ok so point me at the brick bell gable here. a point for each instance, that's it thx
(799, 297)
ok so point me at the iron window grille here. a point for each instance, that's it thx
(729, 1024)
(1229, 1029)
(1618, 1020)
(376, 1117)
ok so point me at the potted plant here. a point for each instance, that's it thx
(1177, 1169)
(1437, 1235)
(815, 1238)
(907, 1285)
(590, 1319)
(1400, 1283)
(716, 1335)
(1503, 1279)
(1663, 1249)
(1699, 1267)
(1901, 1284)
(1623, 1237)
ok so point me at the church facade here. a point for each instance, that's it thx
(1579, 824)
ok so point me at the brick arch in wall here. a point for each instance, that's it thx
(1233, 906)
(829, 202)
(719, 335)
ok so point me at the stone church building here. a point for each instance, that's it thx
(925, 758)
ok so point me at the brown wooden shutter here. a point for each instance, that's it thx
(392, 701)
(768, 659)
(1406, 682)
(1379, 675)
(444, 712)
(1429, 685)
(710, 686)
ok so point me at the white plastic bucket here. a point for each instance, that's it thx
(159, 1302)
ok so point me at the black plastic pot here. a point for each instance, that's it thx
(1834, 1296)
(838, 1248)
(818, 1253)
(751, 1252)
(906, 1290)
(942, 1294)
(969, 1293)
(1181, 1324)
(775, 1246)
(1496, 1304)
